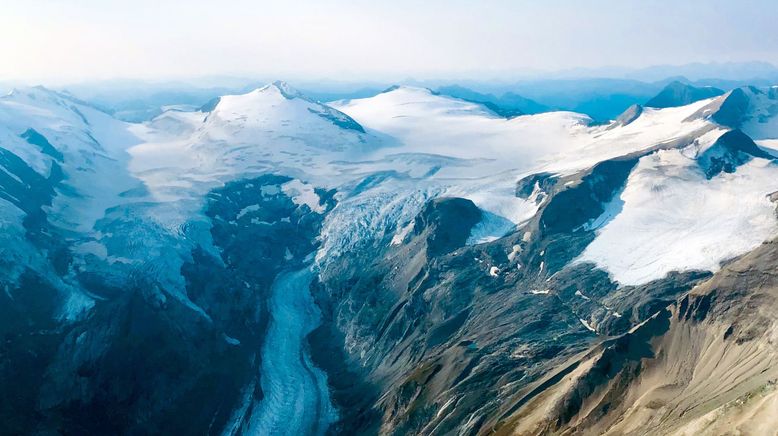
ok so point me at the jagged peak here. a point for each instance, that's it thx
(34, 92)
(628, 116)
(733, 108)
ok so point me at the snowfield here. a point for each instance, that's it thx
(673, 218)
(131, 197)
(386, 156)
(92, 145)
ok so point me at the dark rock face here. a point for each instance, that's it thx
(505, 112)
(577, 205)
(36, 138)
(30, 336)
(618, 361)
(680, 94)
(543, 182)
(628, 116)
(731, 315)
(210, 105)
(143, 363)
(446, 224)
(731, 150)
(733, 110)
(741, 106)
(338, 118)
(145, 360)
(30, 192)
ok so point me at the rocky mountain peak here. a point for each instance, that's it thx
(678, 93)
(447, 223)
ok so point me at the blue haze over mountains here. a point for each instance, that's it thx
(602, 93)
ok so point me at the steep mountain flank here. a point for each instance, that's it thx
(731, 150)
(750, 109)
(680, 94)
(703, 365)
(454, 335)
(631, 114)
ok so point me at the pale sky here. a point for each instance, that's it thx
(71, 40)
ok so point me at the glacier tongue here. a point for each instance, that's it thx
(297, 400)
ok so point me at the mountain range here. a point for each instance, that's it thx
(405, 262)
(602, 94)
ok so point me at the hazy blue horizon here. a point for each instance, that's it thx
(43, 41)
(732, 71)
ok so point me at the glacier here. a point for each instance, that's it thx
(130, 202)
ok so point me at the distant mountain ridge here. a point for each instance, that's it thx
(601, 94)
(507, 105)
(677, 93)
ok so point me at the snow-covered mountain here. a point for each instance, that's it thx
(404, 263)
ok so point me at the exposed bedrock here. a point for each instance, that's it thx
(455, 336)
(148, 360)
(703, 365)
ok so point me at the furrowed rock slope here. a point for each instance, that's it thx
(703, 365)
